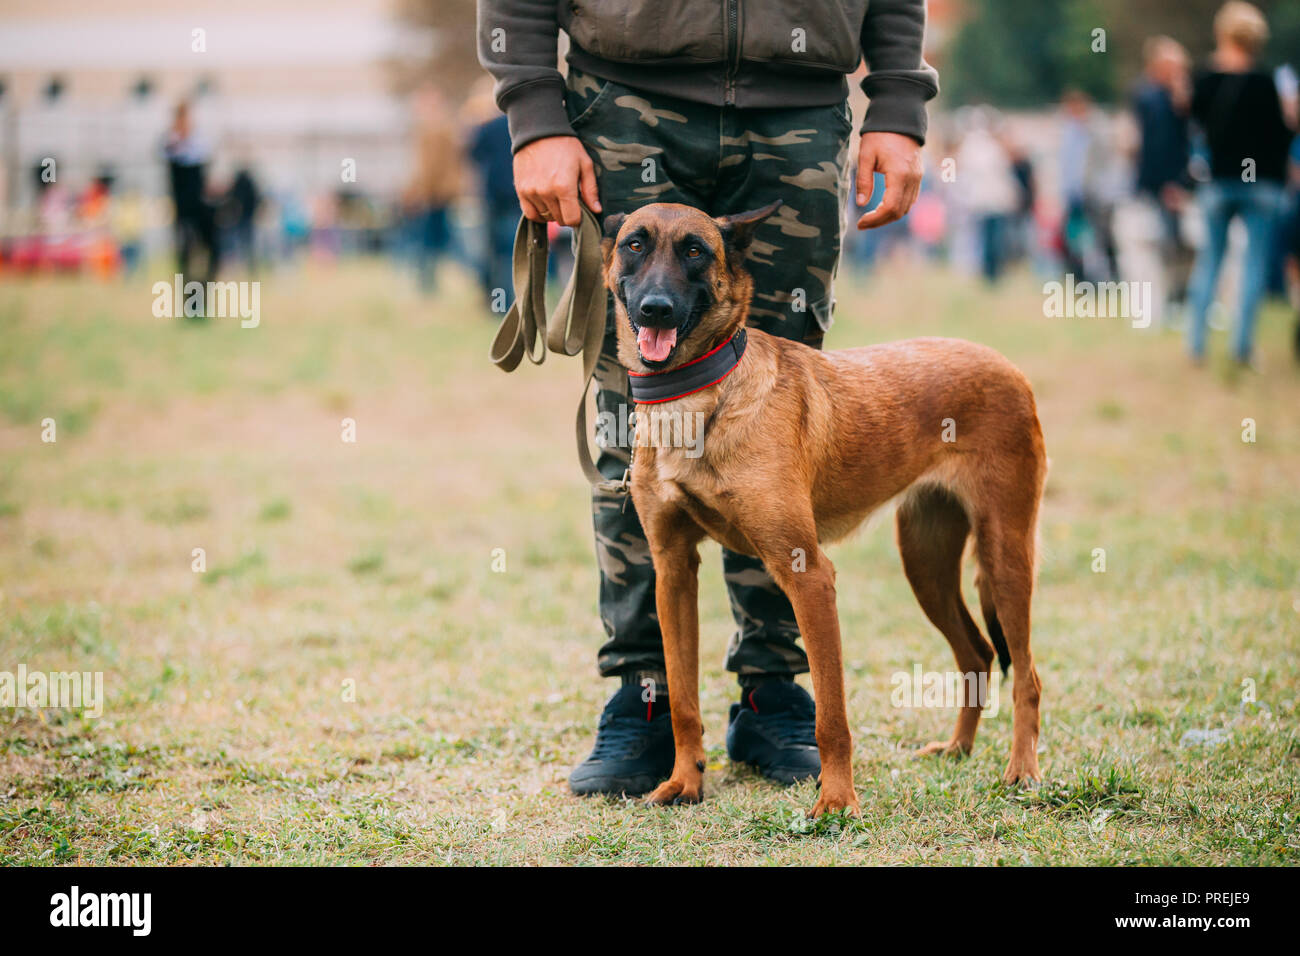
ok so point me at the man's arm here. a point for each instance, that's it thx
(518, 44)
(899, 83)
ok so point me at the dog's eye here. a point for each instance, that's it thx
(635, 245)
(694, 252)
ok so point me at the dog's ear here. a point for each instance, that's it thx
(613, 223)
(738, 230)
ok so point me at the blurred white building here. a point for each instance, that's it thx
(292, 87)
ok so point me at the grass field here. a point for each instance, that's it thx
(349, 681)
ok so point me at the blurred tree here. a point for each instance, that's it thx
(1017, 54)
(1085, 49)
(1009, 53)
(451, 60)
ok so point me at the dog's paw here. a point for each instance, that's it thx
(672, 793)
(831, 802)
(1022, 772)
(944, 748)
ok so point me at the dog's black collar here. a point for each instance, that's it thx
(651, 388)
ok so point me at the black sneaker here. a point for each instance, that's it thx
(634, 747)
(774, 728)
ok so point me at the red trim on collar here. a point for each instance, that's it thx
(655, 388)
(673, 398)
(717, 348)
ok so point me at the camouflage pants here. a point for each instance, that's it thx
(722, 160)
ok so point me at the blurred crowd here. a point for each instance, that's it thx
(1199, 168)
(457, 203)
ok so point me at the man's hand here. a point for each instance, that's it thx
(898, 157)
(550, 174)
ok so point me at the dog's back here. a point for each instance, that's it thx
(955, 427)
(931, 411)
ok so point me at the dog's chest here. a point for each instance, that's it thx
(695, 488)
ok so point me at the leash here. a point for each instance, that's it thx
(576, 327)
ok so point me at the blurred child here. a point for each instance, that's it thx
(127, 224)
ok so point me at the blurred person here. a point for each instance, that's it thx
(1161, 104)
(435, 186)
(94, 211)
(489, 151)
(325, 236)
(294, 226)
(243, 200)
(988, 189)
(1238, 108)
(1288, 91)
(96, 215)
(1293, 278)
(56, 205)
(1087, 189)
(559, 260)
(1291, 242)
(1020, 233)
(128, 220)
(187, 156)
(674, 103)
(1074, 148)
(928, 222)
(355, 219)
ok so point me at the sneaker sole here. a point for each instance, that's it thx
(632, 787)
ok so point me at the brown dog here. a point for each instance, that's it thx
(799, 446)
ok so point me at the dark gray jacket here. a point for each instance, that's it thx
(746, 53)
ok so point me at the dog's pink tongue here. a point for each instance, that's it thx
(655, 344)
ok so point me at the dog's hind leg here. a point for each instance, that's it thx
(932, 531)
(1005, 548)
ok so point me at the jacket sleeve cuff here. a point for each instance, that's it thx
(896, 106)
(536, 110)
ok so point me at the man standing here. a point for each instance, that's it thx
(726, 106)
(1161, 101)
(489, 149)
(196, 225)
(1238, 108)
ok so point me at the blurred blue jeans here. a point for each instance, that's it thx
(992, 233)
(433, 239)
(1258, 204)
(496, 270)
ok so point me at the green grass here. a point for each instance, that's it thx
(350, 681)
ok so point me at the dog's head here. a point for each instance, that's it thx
(678, 281)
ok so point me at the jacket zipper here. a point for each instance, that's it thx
(732, 51)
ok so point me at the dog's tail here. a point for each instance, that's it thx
(991, 621)
(996, 636)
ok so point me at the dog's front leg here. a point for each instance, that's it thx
(810, 586)
(673, 547)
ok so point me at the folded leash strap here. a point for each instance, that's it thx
(577, 326)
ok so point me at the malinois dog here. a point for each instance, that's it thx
(799, 446)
